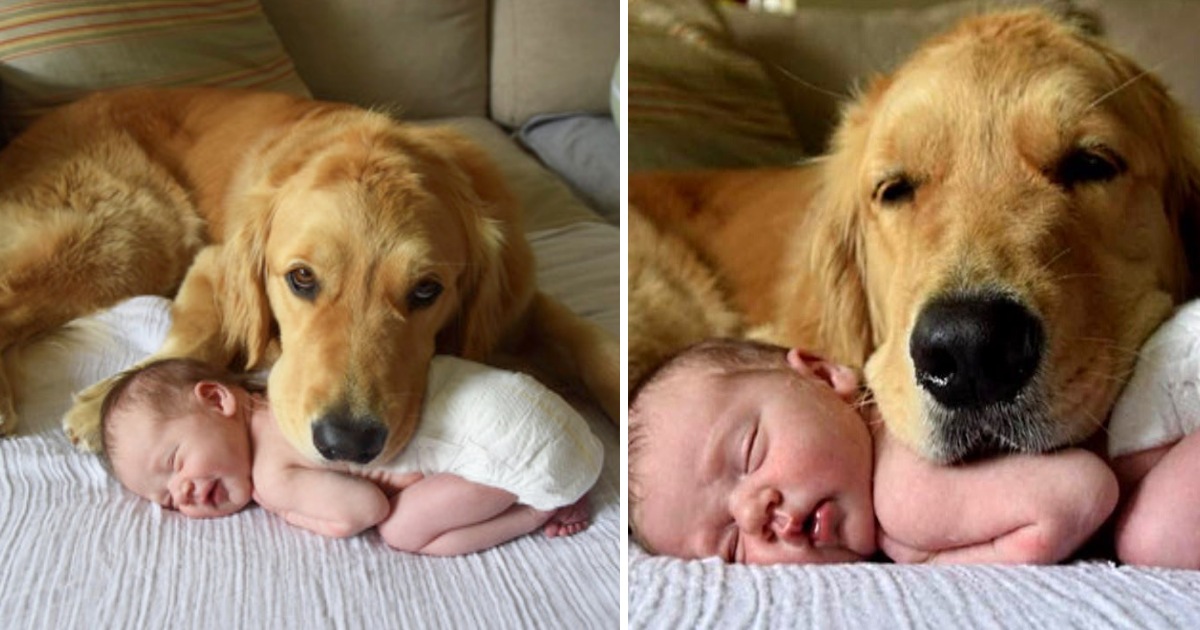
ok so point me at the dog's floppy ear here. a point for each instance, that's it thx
(1182, 194)
(1177, 137)
(835, 300)
(245, 309)
(498, 284)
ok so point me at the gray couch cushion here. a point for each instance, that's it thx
(427, 59)
(552, 56)
(585, 150)
(546, 202)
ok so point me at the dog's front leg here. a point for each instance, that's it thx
(195, 332)
(567, 344)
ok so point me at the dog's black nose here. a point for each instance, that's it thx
(342, 437)
(973, 351)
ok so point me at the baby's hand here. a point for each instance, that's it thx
(391, 483)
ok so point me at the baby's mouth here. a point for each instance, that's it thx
(209, 495)
(217, 495)
(823, 523)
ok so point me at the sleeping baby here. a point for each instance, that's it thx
(496, 455)
(759, 454)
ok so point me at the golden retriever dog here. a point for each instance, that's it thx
(997, 227)
(333, 244)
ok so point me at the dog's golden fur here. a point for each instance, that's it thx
(311, 237)
(1013, 156)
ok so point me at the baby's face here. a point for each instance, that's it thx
(198, 463)
(762, 468)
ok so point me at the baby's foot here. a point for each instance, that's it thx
(570, 519)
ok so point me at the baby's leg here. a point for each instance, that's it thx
(440, 504)
(1159, 524)
(514, 522)
(570, 519)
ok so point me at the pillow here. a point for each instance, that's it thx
(695, 99)
(551, 56)
(418, 58)
(585, 150)
(55, 52)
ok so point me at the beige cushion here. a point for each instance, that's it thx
(552, 56)
(54, 52)
(424, 58)
(818, 55)
(695, 98)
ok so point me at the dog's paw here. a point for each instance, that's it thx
(82, 421)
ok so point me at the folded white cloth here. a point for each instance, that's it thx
(502, 429)
(47, 370)
(1161, 402)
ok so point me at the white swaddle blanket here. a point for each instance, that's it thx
(1161, 402)
(502, 429)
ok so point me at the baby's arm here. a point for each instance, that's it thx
(1158, 523)
(447, 515)
(335, 503)
(1015, 509)
(327, 502)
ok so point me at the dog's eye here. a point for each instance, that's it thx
(424, 294)
(1083, 166)
(303, 282)
(895, 190)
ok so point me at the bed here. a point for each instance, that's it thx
(765, 89)
(76, 550)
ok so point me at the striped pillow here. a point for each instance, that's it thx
(55, 51)
(694, 95)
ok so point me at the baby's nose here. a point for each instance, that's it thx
(754, 508)
(184, 492)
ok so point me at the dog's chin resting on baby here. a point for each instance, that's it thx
(997, 227)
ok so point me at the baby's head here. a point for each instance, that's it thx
(176, 433)
(751, 453)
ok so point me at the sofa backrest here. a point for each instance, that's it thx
(425, 59)
(507, 59)
(552, 56)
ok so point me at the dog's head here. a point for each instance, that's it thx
(364, 248)
(1012, 202)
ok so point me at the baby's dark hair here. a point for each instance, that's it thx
(726, 357)
(165, 386)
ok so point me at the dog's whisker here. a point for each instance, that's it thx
(1053, 259)
(1128, 82)
(791, 76)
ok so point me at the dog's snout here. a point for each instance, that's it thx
(973, 351)
(340, 436)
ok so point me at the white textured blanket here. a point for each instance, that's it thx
(668, 593)
(77, 551)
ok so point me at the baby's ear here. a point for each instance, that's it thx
(841, 378)
(216, 396)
